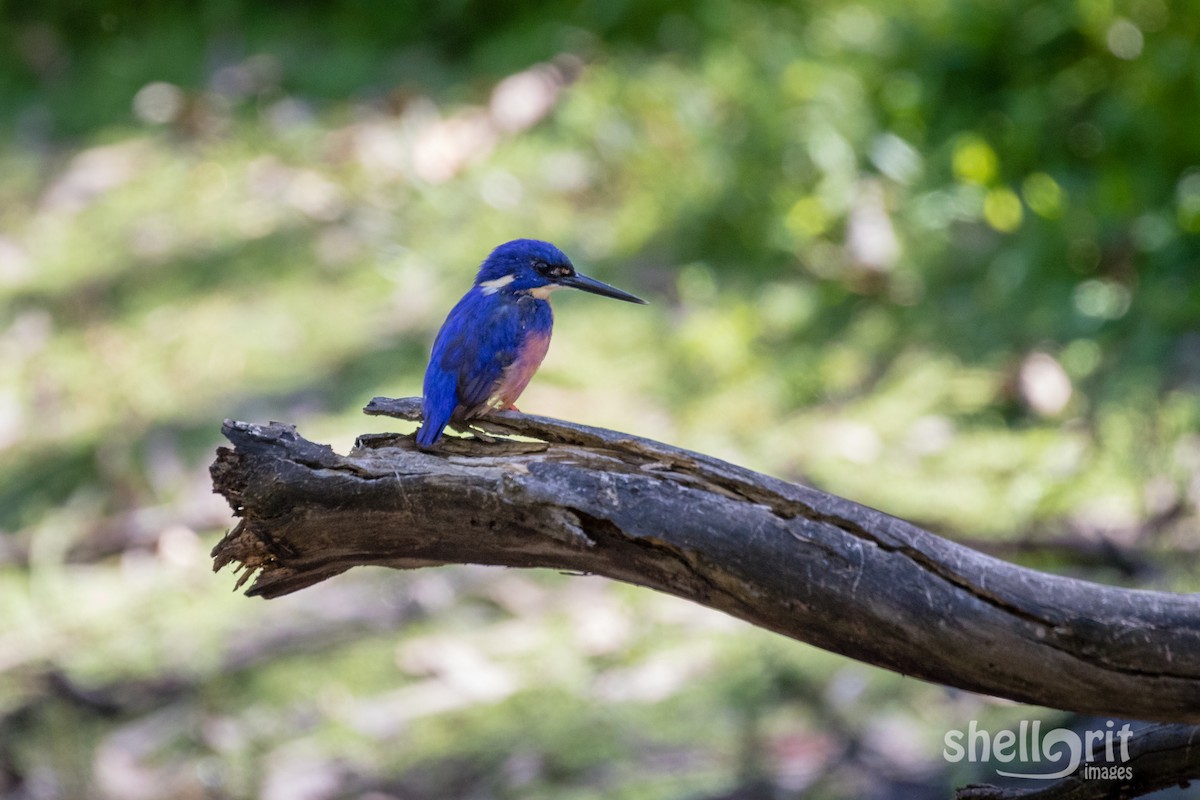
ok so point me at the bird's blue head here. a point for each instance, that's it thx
(535, 267)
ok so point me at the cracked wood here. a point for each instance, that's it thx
(781, 556)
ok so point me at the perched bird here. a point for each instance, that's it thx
(496, 337)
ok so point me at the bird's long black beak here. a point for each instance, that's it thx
(578, 281)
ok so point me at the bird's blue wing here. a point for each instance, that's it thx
(482, 343)
(478, 340)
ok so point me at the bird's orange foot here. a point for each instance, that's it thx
(512, 407)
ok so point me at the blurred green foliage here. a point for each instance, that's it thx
(939, 258)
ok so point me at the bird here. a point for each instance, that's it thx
(495, 338)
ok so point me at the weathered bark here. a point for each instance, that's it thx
(781, 556)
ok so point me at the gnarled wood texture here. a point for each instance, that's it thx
(781, 556)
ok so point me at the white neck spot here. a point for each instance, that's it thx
(493, 286)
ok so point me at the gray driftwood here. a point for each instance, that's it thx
(781, 556)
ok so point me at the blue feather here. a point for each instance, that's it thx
(483, 335)
(503, 322)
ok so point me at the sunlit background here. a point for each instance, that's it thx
(941, 258)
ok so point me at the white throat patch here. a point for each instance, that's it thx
(543, 292)
(493, 286)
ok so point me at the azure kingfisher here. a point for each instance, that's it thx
(496, 337)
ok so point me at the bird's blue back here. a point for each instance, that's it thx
(483, 335)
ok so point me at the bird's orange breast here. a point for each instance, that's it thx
(518, 374)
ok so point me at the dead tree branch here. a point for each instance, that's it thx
(781, 556)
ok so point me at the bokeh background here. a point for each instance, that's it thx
(939, 257)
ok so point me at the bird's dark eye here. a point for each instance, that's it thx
(549, 270)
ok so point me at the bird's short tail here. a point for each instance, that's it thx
(429, 434)
(432, 426)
